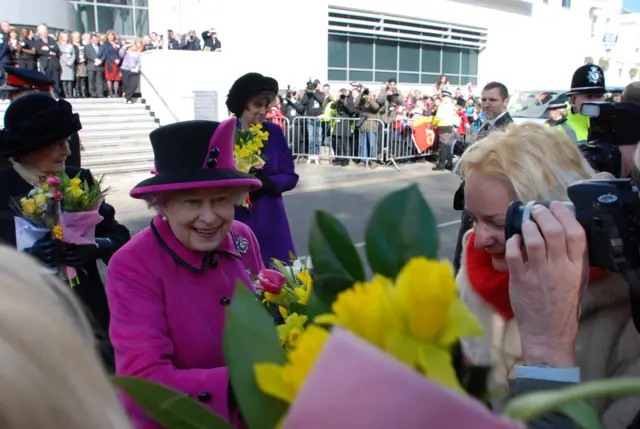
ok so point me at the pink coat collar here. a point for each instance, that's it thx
(194, 261)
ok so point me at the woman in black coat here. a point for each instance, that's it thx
(35, 136)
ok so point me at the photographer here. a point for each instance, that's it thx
(344, 147)
(389, 98)
(369, 111)
(190, 42)
(313, 100)
(549, 320)
(291, 106)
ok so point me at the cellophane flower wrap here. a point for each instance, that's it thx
(79, 214)
(247, 151)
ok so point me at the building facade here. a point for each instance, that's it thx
(517, 42)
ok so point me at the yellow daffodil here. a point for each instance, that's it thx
(28, 206)
(424, 297)
(75, 182)
(45, 186)
(279, 298)
(40, 199)
(58, 232)
(291, 331)
(74, 191)
(304, 291)
(285, 381)
(366, 311)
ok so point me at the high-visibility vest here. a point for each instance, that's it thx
(328, 112)
(565, 128)
(446, 115)
(580, 126)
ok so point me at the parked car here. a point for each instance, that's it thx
(531, 106)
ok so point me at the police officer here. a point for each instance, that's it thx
(587, 85)
(558, 110)
(20, 82)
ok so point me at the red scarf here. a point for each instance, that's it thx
(491, 285)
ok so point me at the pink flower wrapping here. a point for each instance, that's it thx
(355, 385)
(79, 228)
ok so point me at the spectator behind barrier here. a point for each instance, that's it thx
(530, 310)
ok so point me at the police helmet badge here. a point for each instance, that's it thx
(593, 75)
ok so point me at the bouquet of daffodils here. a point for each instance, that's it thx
(247, 151)
(361, 352)
(66, 207)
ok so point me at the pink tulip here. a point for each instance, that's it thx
(57, 195)
(53, 181)
(271, 281)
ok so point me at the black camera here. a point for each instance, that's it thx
(609, 212)
(311, 87)
(611, 125)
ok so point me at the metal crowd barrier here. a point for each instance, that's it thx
(284, 123)
(325, 140)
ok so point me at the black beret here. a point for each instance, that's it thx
(246, 87)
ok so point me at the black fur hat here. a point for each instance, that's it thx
(36, 121)
(246, 87)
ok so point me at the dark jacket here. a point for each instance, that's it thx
(190, 45)
(91, 289)
(90, 56)
(47, 53)
(292, 109)
(458, 200)
(5, 55)
(344, 109)
(313, 102)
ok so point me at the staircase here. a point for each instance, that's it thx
(114, 135)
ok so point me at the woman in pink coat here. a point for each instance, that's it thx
(168, 287)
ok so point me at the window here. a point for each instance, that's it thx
(373, 47)
(125, 17)
(373, 60)
(566, 4)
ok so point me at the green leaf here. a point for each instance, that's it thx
(316, 306)
(296, 307)
(324, 293)
(332, 250)
(402, 227)
(171, 409)
(250, 337)
(583, 415)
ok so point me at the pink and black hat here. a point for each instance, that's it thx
(194, 154)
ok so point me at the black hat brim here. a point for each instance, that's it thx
(590, 90)
(195, 179)
(10, 147)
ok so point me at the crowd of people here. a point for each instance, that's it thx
(91, 65)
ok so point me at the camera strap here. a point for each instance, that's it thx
(623, 267)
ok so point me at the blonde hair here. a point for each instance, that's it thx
(76, 36)
(47, 355)
(537, 162)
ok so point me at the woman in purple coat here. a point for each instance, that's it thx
(168, 287)
(249, 99)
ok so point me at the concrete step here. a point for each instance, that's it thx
(110, 107)
(124, 149)
(114, 136)
(118, 159)
(86, 101)
(119, 127)
(110, 144)
(113, 169)
(123, 111)
(108, 118)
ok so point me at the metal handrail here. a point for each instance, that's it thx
(175, 117)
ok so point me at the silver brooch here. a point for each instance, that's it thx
(242, 244)
(248, 270)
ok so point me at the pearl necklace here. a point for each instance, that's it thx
(29, 177)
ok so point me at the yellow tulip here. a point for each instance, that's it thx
(40, 199)
(285, 381)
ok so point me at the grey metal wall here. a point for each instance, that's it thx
(58, 14)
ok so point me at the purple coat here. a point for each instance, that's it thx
(168, 311)
(267, 218)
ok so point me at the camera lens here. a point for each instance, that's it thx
(518, 213)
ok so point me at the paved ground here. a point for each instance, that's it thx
(349, 193)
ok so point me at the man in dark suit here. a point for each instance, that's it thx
(5, 58)
(48, 55)
(494, 101)
(94, 55)
(20, 82)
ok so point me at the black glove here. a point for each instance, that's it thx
(47, 249)
(76, 255)
(267, 187)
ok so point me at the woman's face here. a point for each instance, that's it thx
(75, 38)
(50, 159)
(24, 33)
(486, 200)
(111, 37)
(64, 37)
(256, 109)
(201, 218)
(13, 35)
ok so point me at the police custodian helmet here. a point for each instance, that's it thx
(588, 79)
